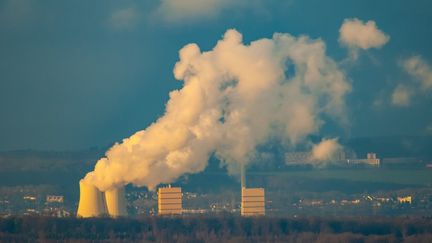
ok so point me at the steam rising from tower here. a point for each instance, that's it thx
(233, 98)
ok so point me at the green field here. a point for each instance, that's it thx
(376, 175)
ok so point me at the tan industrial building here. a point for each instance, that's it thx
(253, 202)
(170, 201)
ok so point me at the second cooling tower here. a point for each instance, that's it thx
(115, 202)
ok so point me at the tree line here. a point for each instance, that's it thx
(224, 228)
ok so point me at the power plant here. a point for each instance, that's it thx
(170, 201)
(94, 203)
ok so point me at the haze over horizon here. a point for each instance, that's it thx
(77, 75)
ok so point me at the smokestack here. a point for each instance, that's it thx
(115, 202)
(92, 201)
(243, 176)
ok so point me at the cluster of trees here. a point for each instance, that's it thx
(216, 229)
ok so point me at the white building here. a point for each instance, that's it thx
(371, 159)
(54, 199)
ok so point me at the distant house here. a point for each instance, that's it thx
(54, 199)
(407, 199)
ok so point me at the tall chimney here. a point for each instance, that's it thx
(116, 202)
(243, 176)
(92, 201)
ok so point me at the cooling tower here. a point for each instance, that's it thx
(92, 201)
(115, 202)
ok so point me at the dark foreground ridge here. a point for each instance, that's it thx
(215, 229)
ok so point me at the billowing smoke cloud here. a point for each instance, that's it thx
(325, 150)
(355, 34)
(234, 98)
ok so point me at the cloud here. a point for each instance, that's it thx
(355, 34)
(186, 10)
(124, 19)
(325, 150)
(421, 81)
(234, 97)
(417, 67)
(401, 96)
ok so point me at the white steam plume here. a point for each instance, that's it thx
(325, 150)
(234, 98)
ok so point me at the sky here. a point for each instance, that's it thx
(79, 74)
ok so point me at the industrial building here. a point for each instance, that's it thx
(94, 203)
(371, 159)
(54, 199)
(407, 199)
(170, 201)
(253, 202)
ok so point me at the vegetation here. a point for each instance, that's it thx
(216, 229)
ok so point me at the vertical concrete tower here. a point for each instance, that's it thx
(116, 202)
(170, 201)
(253, 202)
(92, 201)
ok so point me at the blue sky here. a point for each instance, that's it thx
(76, 74)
